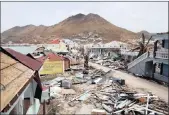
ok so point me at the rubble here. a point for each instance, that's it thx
(111, 63)
(98, 112)
(66, 83)
(108, 96)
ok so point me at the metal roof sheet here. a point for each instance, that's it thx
(27, 61)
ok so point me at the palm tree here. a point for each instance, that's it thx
(142, 46)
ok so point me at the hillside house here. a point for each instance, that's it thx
(20, 83)
(57, 46)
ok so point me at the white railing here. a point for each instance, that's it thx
(162, 54)
(151, 54)
(139, 59)
(123, 52)
(159, 54)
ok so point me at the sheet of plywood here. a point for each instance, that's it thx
(13, 88)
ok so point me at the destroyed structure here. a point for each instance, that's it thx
(21, 87)
(154, 63)
(98, 92)
(70, 84)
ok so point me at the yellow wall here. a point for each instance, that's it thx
(52, 67)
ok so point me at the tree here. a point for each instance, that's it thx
(142, 46)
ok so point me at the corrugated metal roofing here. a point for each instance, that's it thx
(27, 61)
(42, 59)
(23, 49)
(54, 57)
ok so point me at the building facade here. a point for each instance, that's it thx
(154, 63)
(160, 58)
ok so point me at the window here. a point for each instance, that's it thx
(158, 68)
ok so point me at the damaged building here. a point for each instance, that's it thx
(153, 64)
(20, 83)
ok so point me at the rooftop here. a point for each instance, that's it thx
(14, 76)
(55, 41)
(160, 36)
(54, 57)
(27, 61)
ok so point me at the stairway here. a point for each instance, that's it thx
(138, 65)
(137, 60)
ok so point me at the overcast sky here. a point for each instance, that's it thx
(134, 16)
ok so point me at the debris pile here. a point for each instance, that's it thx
(116, 99)
(118, 64)
(105, 95)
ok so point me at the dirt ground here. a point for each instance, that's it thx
(141, 85)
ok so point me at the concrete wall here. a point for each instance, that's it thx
(165, 70)
(160, 77)
(166, 44)
(140, 68)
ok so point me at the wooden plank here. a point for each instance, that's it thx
(13, 88)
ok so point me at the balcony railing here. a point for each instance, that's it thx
(159, 54)
(162, 54)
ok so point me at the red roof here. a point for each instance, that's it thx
(55, 41)
(42, 59)
(54, 57)
(66, 58)
(27, 61)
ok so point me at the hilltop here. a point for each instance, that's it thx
(90, 27)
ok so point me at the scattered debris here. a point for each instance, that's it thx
(98, 112)
(68, 91)
(111, 63)
(84, 96)
(66, 83)
(108, 95)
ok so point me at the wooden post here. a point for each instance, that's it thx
(49, 96)
(44, 107)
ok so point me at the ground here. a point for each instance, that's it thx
(141, 85)
(63, 103)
